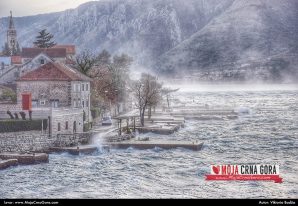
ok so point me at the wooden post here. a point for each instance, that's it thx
(42, 126)
(120, 128)
(134, 124)
(127, 123)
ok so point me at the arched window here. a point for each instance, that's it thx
(59, 127)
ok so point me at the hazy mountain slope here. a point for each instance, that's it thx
(247, 33)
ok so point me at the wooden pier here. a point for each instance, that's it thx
(84, 149)
(153, 144)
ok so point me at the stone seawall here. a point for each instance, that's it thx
(34, 141)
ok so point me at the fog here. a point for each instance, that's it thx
(217, 87)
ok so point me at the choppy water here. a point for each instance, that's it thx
(267, 135)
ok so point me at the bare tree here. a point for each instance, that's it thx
(85, 61)
(167, 93)
(147, 91)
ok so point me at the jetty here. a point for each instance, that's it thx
(77, 150)
(9, 159)
(26, 158)
(151, 144)
(8, 163)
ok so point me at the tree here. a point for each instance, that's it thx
(85, 62)
(110, 78)
(167, 93)
(104, 58)
(147, 92)
(44, 40)
(6, 51)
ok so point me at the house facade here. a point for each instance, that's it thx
(56, 85)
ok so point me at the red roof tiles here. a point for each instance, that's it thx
(16, 60)
(51, 52)
(70, 49)
(54, 72)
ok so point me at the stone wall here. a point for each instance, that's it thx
(70, 120)
(35, 141)
(45, 91)
(31, 141)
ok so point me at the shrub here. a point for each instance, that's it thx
(16, 115)
(8, 95)
(30, 115)
(95, 112)
(87, 127)
(10, 115)
(23, 115)
(22, 125)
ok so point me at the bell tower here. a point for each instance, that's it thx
(12, 42)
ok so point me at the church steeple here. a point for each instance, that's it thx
(11, 24)
(12, 46)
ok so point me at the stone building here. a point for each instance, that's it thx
(56, 85)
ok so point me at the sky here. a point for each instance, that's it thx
(32, 7)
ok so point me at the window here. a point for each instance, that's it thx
(77, 87)
(34, 103)
(59, 127)
(75, 103)
(42, 61)
(66, 125)
(83, 103)
(83, 87)
(54, 103)
(87, 87)
(87, 103)
(42, 102)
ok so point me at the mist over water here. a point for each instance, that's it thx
(266, 134)
(218, 87)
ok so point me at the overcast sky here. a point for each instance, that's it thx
(31, 7)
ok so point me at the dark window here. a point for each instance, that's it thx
(66, 125)
(83, 104)
(42, 61)
(83, 87)
(59, 127)
(87, 87)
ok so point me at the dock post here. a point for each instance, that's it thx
(120, 128)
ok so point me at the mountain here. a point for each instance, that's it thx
(250, 40)
(205, 39)
(143, 28)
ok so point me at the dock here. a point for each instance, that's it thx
(83, 149)
(26, 159)
(153, 144)
(8, 163)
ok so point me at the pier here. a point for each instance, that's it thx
(14, 159)
(150, 144)
(84, 149)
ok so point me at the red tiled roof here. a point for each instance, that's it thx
(16, 60)
(54, 72)
(70, 49)
(51, 52)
